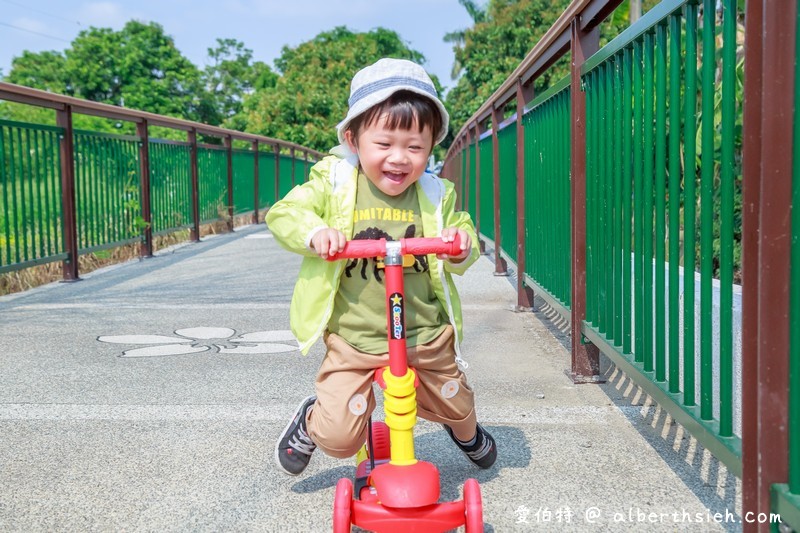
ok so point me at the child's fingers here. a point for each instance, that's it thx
(338, 240)
(322, 243)
(322, 246)
(466, 241)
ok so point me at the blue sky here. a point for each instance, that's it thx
(265, 26)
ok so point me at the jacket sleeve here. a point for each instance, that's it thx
(295, 218)
(458, 219)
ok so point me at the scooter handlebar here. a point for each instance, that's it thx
(359, 249)
(435, 245)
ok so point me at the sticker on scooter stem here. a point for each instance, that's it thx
(397, 312)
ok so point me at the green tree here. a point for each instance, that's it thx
(40, 70)
(458, 37)
(493, 48)
(498, 42)
(310, 96)
(137, 67)
(628, 12)
(227, 79)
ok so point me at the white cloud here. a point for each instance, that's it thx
(105, 14)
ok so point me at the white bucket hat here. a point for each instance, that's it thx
(377, 82)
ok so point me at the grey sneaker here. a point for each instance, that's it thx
(294, 448)
(483, 453)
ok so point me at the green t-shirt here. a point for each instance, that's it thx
(359, 309)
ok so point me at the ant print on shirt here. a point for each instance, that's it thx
(420, 262)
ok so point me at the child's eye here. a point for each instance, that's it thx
(383, 145)
(415, 147)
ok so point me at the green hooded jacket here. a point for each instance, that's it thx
(328, 199)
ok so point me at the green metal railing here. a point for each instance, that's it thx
(643, 223)
(212, 167)
(662, 147)
(30, 195)
(787, 495)
(170, 185)
(266, 178)
(486, 214)
(65, 192)
(471, 193)
(507, 142)
(106, 187)
(243, 186)
(547, 162)
(285, 182)
(636, 160)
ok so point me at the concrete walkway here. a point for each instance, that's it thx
(148, 397)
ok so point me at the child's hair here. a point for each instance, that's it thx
(403, 109)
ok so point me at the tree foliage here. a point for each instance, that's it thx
(493, 48)
(310, 96)
(303, 99)
(227, 79)
(139, 67)
(42, 70)
(500, 40)
(458, 37)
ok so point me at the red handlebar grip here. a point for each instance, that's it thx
(422, 246)
(361, 248)
(358, 249)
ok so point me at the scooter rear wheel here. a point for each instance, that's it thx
(380, 442)
(342, 506)
(473, 507)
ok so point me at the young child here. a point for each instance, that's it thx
(376, 187)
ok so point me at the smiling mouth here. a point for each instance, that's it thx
(395, 177)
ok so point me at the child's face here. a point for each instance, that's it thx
(392, 159)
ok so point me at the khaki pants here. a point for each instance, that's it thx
(345, 401)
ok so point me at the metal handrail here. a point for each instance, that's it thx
(30, 96)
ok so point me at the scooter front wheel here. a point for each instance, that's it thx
(343, 506)
(473, 507)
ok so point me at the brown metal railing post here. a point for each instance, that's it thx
(305, 167)
(465, 176)
(254, 146)
(195, 233)
(585, 366)
(146, 248)
(500, 266)
(277, 150)
(751, 168)
(768, 183)
(228, 142)
(524, 293)
(69, 267)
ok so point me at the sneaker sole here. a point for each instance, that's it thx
(283, 434)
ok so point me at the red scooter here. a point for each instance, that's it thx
(395, 491)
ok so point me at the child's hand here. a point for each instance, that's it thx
(327, 242)
(449, 235)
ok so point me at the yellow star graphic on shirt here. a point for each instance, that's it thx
(396, 299)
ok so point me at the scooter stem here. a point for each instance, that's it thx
(400, 397)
